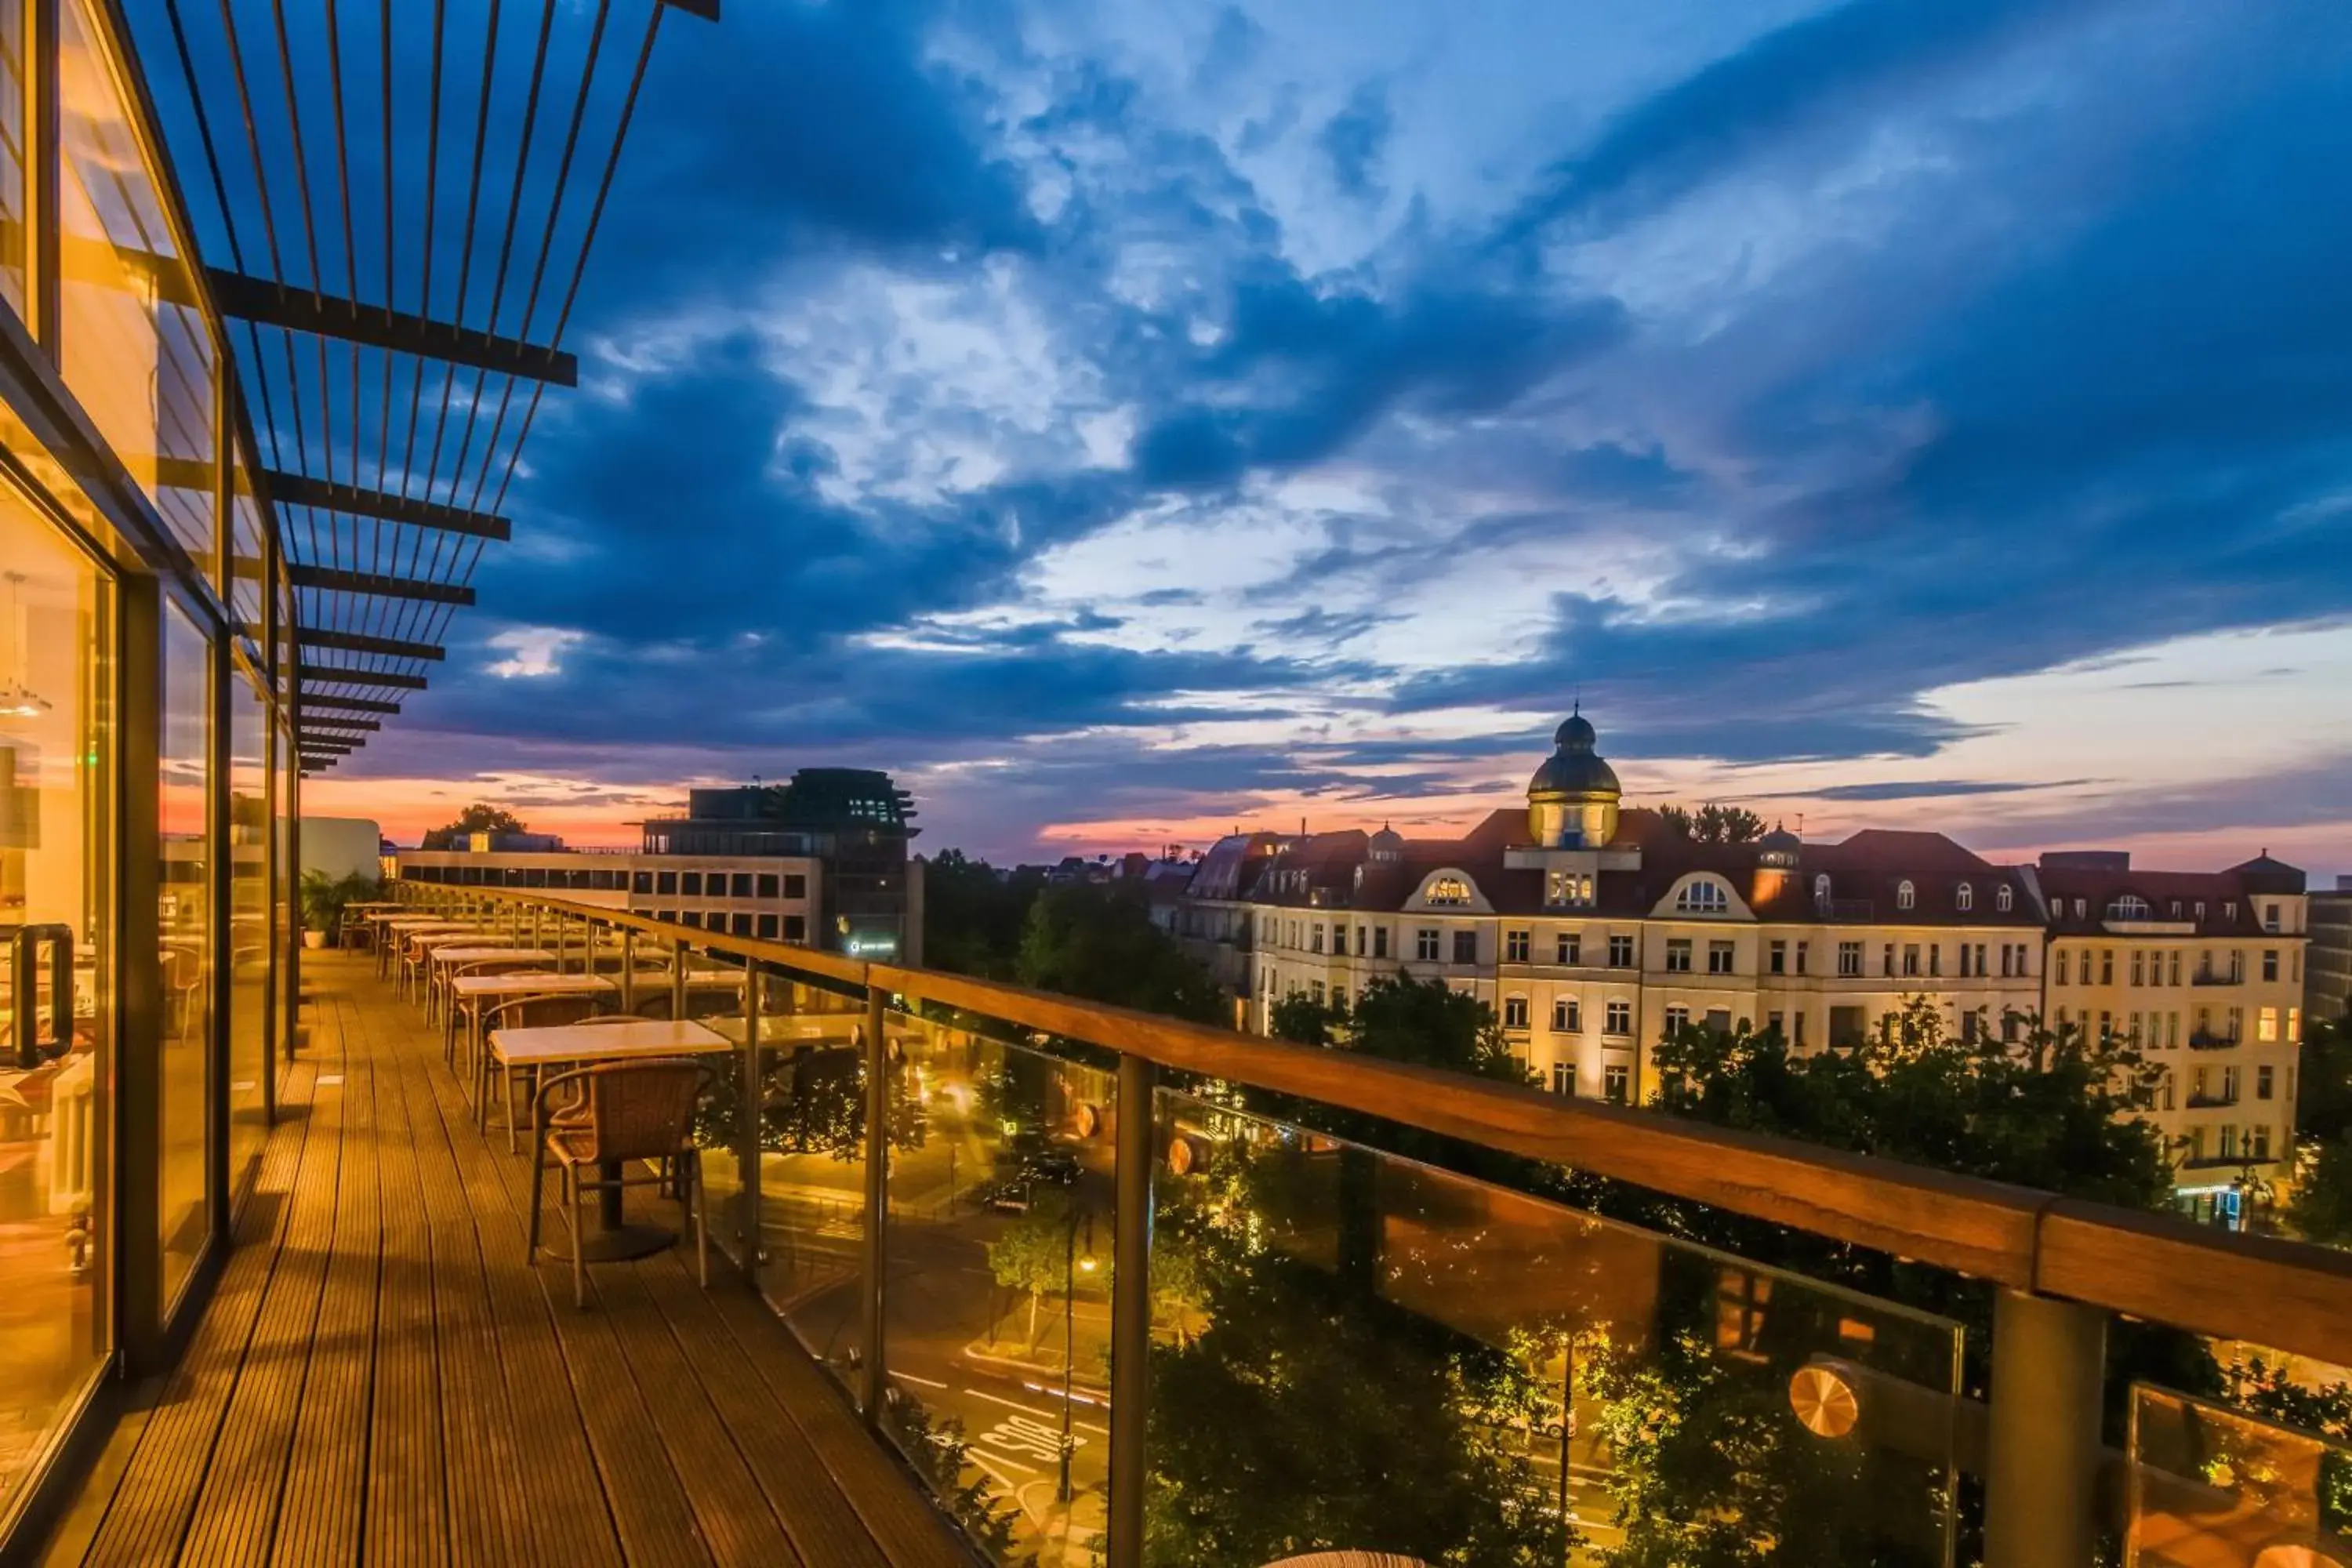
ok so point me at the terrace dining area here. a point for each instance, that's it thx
(383, 1375)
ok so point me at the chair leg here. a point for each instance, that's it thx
(690, 1170)
(579, 1261)
(538, 1200)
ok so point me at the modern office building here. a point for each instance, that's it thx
(1592, 929)
(822, 861)
(2327, 968)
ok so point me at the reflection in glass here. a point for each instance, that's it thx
(57, 746)
(250, 923)
(1352, 1352)
(135, 347)
(12, 156)
(184, 935)
(2213, 1487)
(997, 1318)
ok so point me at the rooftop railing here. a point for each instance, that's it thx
(1130, 1289)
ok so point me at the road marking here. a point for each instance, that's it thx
(1027, 1410)
(1007, 1482)
(1022, 1435)
(911, 1377)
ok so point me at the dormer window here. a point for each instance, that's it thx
(2002, 898)
(1821, 890)
(2230, 910)
(1965, 897)
(1447, 890)
(1703, 898)
(2127, 907)
(1905, 896)
(2175, 908)
(1568, 889)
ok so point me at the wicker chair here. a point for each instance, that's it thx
(622, 1112)
(522, 1013)
(441, 1002)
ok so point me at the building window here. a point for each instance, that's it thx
(1678, 955)
(1515, 1012)
(1316, 987)
(690, 884)
(1802, 948)
(1616, 1084)
(1886, 960)
(795, 885)
(1339, 998)
(1450, 891)
(2264, 1082)
(796, 928)
(2127, 907)
(2266, 1025)
(1568, 889)
(1514, 947)
(1620, 952)
(1379, 942)
(1619, 1019)
(1718, 957)
(1910, 958)
(2258, 1142)
(2229, 1141)
(1567, 1017)
(1777, 958)
(1799, 1040)
(2106, 966)
(1567, 951)
(641, 882)
(1425, 944)
(1703, 898)
(1677, 1020)
(1465, 947)
(2136, 957)
(2294, 1026)
(1822, 890)
(2270, 963)
(769, 887)
(2269, 917)
(2058, 975)
(1340, 939)
(740, 886)
(1904, 895)
(1314, 937)
(692, 918)
(667, 884)
(2229, 908)
(1849, 958)
(2002, 898)
(740, 924)
(1965, 897)
(1563, 1077)
(767, 928)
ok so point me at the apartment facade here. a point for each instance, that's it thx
(1592, 931)
(2327, 966)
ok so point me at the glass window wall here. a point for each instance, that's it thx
(185, 933)
(249, 925)
(57, 749)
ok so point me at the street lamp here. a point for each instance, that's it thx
(1073, 1266)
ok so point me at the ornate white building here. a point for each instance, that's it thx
(1592, 929)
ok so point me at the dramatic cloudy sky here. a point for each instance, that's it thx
(1122, 420)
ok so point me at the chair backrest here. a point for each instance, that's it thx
(629, 1110)
(712, 1004)
(545, 1012)
(502, 966)
(652, 1003)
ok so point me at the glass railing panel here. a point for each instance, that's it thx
(2213, 1488)
(1356, 1353)
(997, 1310)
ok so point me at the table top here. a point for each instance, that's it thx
(606, 1042)
(453, 953)
(412, 924)
(467, 986)
(784, 1028)
(432, 941)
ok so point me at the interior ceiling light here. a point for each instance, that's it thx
(18, 700)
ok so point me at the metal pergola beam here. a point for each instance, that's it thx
(307, 704)
(376, 585)
(274, 304)
(350, 675)
(302, 489)
(705, 9)
(357, 642)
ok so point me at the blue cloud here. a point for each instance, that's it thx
(1357, 138)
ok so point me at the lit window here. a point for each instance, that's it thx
(1567, 1017)
(1905, 896)
(1450, 891)
(1515, 1012)
(1620, 1019)
(2266, 1023)
(1703, 898)
(1514, 947)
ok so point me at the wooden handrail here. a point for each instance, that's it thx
(2284, 1295)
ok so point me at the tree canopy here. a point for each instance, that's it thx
(973, 915)
(1712, 824)
(480, 817)
(1098, 941)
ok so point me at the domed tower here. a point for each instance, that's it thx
(1777, 855)
(1572, 800)
(1385, 848)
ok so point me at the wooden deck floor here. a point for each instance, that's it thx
(381, 1378)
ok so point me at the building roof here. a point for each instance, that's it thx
(2172, 897)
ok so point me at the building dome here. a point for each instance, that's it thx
(1573, 799)
(1385, 846)
(1778, 847)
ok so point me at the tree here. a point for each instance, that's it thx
(1712, 824)
(973, 915)
(1032, 1256)
(1097, 941)
(1401, 1019)
(480, 817)
(2322, 1193)
(2323, 1110)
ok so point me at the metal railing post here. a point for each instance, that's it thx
(628, 970)
(1131, 1310)
(877, 1201)
(2042, 1469)
(753, 1111)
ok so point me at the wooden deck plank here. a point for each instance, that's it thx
(383, 1379)
(156, 1495)
(236, 1512)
